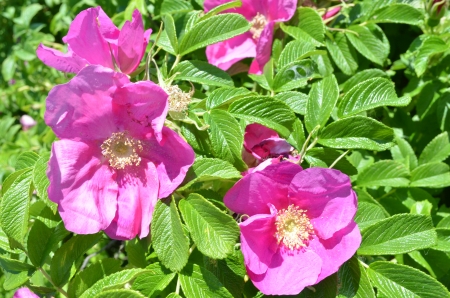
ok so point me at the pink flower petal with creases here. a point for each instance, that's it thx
(256, 133)
(24, 293)
(67, 62)
(263, 50)
(131, 43)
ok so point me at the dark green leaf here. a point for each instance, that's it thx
(437, 150)
(433, 175)
(343, 53)
(384, 173)
(154, 281)
(295, 75)
(397, 13)
(224, 96)
(203, 73)
(354, 281)
(370, 41)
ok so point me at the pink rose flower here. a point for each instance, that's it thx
(114, 158)
(93, 37)
(331, 13)
(257, 43)
(24, 293)
(300, 227)
(261, 143)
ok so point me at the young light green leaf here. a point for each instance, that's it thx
(433, 175)
(164, 43)
(156, 279)
(15, 279)
(224, 96)
(368, 214)
(295, 100)
(213, 30)
(293, 51)
(362, 76)
(343, 53)
(311, 23)
(370, 41)
(26, 160)
(370, 94)
(171, 31)
(15, 206)
(266, 111)
(384, 173)
(67, 254)
(203, 73)
(398, 234)
(354, 281)
(437, 150)
(297, 136)
(226, 137)
(295, 75)
(404, 153)
(196, 282)
(175, 6)
(167, 231)
(397, 13)
(322, 99)
(206, 169)
(395, 280)
(430, 46)
(8, 67)
(10, 179)
(357, 132)
(214, 232)
(41, 181)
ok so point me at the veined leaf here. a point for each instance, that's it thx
(343, 53)
(203, 73)
(384, 173)
(433, 175)
(437, 150)
(397, 13)
(370, 41)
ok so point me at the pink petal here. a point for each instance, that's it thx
(327, 196)
(272, 147)
(68, 62)
(172, 157)
(280, 10)
(248, 8)
(86, 39)
(227, 52)
(258, 242)
(253, 192)
(262, 166)
(138, 190)
(84, 188)
(336, 250)
(24, 293)
(289, 272)
(107, 28)
(263, 49)
(131, 43)
(140, 105)
(255, 133)
(331, 13)
(81, 109)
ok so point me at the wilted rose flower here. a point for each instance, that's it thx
(27, 122)
(94, 39)
(24, 293)
(300, 227)
(114, 158)
(262, 14)
(261, 142)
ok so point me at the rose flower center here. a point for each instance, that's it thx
(258, 23)
(121, 150)
(293, 227)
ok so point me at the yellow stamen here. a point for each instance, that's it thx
(293, 227)
(258, 23)
(178, 100)
(122, 150)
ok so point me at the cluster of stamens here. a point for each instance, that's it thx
(122, 150)
(178, 100)
(258, 23)
(293, 227)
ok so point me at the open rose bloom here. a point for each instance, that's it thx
(94, 39)
(257, 42)
(300, 227)
(114, 158)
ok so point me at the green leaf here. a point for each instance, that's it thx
(214, 232)
(122, 293)
(220, 8)
(357, 132)
(295, 75)
(113, 281)
(299, 34)
(354, 281)
(404, 153)
(41, 181)
(8, 67)
(433, 175)
(397, 13)
(196, 281)
(297, 136)
(13, 265)
(430, 46)
(224, 96)
(368, 214)
(15, 206)
(28, 12)
(329, 156)
(311, 23)
(343, 53)
(398, 234)
(26, 160)
(94, 272)
(443, 240)
(437, 150)
(322, 99)
(370, 41)
(265, 110)
(384, 173)
(167, 231)
(206, 169)
(171, 31)
(40, 233)
(370, 94)
(295, 100)
(395, 280)
(212, 30)
(13, 280)
(164, 43)
(362, 76)
(67, 254)
(10, 180)
(155, 280)
(203, 73)
(293, 51)
(136, 252)
(175, 6)
(226, 137)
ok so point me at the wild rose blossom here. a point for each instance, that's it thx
(300, 227)
(261, 142)
(91, 39)
(257, 43)
(114, 158)
(24, 293)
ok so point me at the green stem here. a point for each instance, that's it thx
(343, 30)
(338, 159)
(51, 281)
(177, 289)
(177, 60)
